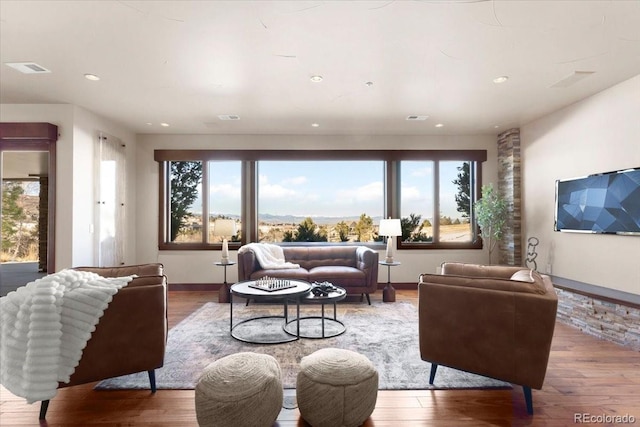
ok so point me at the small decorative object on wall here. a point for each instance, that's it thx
(531, 253)
(606, 203)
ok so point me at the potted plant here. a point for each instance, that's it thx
(491, 215)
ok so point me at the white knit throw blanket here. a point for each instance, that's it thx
(46, 324)
(269, 256)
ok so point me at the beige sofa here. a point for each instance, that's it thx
(354, 268)
(495, 321)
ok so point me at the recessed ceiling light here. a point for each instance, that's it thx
(91, 77)
(368, 84)
(149, 123)
(28, 67)
(439, 125)
(496, 126)
(501, 79)
(316, 79)
(315, 125)
(166, 125)
(229, 117)
(419, 118)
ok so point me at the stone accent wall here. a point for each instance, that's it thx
(610, 321)
(509, 186)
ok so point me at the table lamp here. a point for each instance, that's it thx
(224, 228)
(389, 228)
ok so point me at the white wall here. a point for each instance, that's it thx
(78, 129)
(597, 134)
(197, 266)
(86, 129)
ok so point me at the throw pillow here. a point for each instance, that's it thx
(523, 276)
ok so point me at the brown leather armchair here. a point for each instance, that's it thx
(131, 335)
(495, 321)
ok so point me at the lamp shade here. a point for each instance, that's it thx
(390, 227)
(224, 227)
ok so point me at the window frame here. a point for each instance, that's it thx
(476, 177)
(249, 159)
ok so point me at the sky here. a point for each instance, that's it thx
(331, 188)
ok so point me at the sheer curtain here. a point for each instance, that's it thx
(110, 195)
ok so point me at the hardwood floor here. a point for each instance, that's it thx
(585, 375)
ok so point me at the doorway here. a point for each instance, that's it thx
(27, 175)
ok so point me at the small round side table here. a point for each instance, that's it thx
(223, 293)
(389, 292)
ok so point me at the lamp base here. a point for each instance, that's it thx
(224, 255)
(389, 251)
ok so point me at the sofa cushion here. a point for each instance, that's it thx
(337, 275)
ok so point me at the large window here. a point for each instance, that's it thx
(199, 192)
(319, 196)
(320, 201)
(435, 202)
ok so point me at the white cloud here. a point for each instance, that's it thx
(422, 172)
(296, 180)
(410, 193)
(273, 191)
(369, 192)
(226, 190)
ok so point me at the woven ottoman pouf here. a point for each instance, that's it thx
(336, 388)
(240, 390)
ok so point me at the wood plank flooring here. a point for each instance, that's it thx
(585, 375)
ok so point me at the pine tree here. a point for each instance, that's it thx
(185, 181)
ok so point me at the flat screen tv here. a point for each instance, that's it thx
(600, 203)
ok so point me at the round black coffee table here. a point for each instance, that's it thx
(266, 333)
(309, 323)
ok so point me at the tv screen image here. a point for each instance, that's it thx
(600, 203)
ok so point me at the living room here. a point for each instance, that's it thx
(592, 129)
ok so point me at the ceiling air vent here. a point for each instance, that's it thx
(229, 117)
(572, 78)
(28, 67)
(417, 117)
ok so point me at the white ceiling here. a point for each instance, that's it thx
(185, 63)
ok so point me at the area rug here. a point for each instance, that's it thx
(387, 333)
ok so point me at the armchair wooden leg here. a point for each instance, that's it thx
(368, 299)
(528, 398)
(152, 380)
(44, 405)
(432, 375)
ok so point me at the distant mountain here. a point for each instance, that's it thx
(320, 220)
(297, 219)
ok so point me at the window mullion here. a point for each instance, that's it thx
(249, 202)
(436, 201)
(205, 201)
